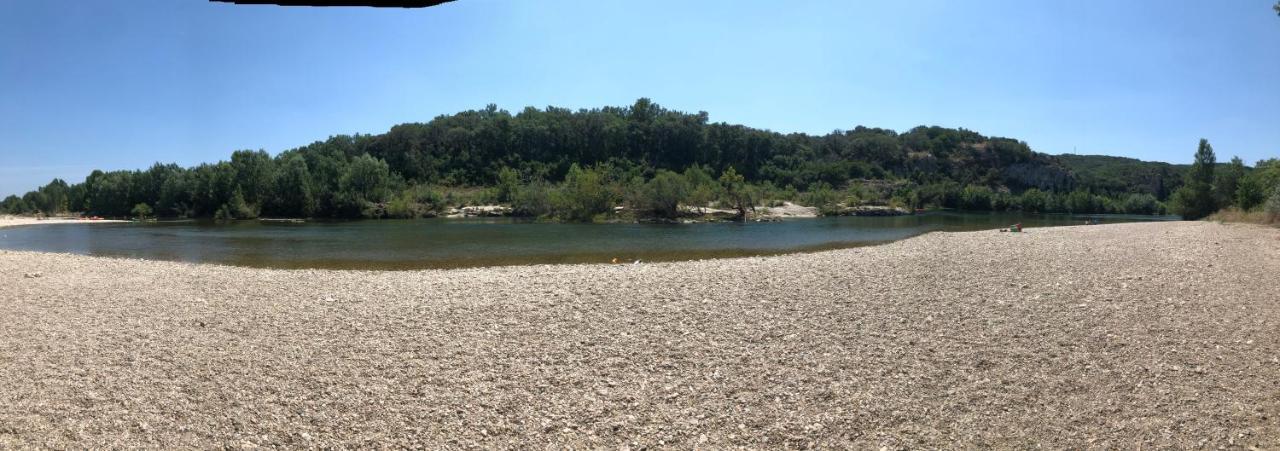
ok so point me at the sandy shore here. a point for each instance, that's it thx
(1144, 335)
(11, 221)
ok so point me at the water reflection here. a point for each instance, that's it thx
(439, 243)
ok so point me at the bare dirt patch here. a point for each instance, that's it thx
(1118, 336)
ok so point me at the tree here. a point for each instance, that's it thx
(703, 188)
(1228, 181)
(141, 211)
(583, 195)
(1273, 205)
(14, 205)
(737, 195)
(1033, 201)
(532, 200)
(367, 179)
(292, 192)
(1195, 199)
(1140, 204)
(976, 198)
(663, 193)
(1081, 202)
(1249, 194)
(54, 197)
(236, 208)
(508, 183)
(253, 174)
(353, 175)
(109, 193)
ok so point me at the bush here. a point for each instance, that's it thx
(235, 208)
(1083, 202)
(736, 193)
(14, 205)
(416, 202)
(508, 184)
(824, 199)
(583, 195)
(141, 211)
(1033, 201)
(1003, 201)
(1273, 206)
(1193, 201)
(1140, 204)
(532, 200)
(1250, 194)
(975, 198)
(663, 193)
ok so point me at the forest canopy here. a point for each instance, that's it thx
(538, 159)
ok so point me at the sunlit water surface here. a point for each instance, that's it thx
(449, 243)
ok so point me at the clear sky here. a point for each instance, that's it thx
(123, 84)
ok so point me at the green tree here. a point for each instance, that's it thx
(141, 211)
(703, 188)
(1249, 193)
(976, 198)
(1140, 204)
(1227, 182)
(253, 174)
(532, 200)
(1273, 205)
(14, 205)
(822, 197)
(663, 194)
(236, 208)
(1195, 199)
(508, 184)
(583, 194)
(344, 175)
(54, 197)
(367, 179)
(1033, 201)
(1080, 202)
(292, 194)
(736, 193)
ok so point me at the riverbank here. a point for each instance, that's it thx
(13, 221)
(1153, 335)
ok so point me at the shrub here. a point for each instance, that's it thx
(975, 198)
(583, 195)
(824, 199)
(235, 208)
(532, 200)
(1250, 193)
(736, 193)
(662, 194)
(1140, 204)
(1193, 201)
(141, 211)
(1273, 205)
(416, 202)
(1003, 201)
(508, 183)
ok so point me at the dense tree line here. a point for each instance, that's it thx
(579, 164)
(1210, 187)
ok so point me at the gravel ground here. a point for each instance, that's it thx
(1143, 335)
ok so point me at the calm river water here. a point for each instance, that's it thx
(448, 243)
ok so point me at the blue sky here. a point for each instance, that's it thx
(122, 84)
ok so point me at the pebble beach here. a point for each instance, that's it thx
(1137, 335)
